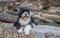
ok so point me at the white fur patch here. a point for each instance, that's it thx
(24, 22)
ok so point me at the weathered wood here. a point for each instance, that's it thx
(51, 16)
(7, 17)
(7, 30)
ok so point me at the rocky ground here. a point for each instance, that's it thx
(7, 30)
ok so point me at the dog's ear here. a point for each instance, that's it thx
(32, 20)
(17, 25)
(19, 14)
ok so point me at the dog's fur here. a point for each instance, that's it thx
(24, 20)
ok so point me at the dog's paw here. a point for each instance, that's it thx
(27, 33)
(20, 31)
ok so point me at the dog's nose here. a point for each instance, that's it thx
(25, 14)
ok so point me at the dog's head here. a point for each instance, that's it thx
(24, 13)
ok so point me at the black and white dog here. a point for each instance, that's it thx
(24, 20)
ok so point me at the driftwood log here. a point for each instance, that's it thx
(7, 17)
(51, 16)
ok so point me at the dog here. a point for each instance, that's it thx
(25, 21)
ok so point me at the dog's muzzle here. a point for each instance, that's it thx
(25, 17)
